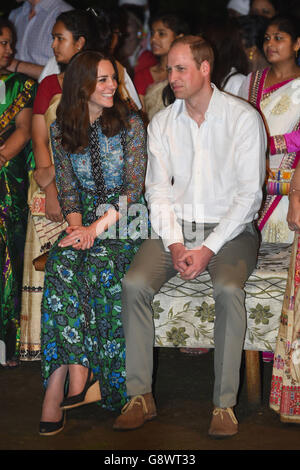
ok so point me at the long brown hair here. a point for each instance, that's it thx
(73, 113)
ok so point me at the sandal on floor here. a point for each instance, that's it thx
(11, 364)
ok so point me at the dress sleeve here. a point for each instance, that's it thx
(66, 180)
(135, 158)
(285, 143)
(46, 90)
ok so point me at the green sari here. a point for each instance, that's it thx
(19, 94)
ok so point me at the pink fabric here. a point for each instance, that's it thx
(292, 139)
(292, 142)
(269, 212)
(272, 146)
(276, 86)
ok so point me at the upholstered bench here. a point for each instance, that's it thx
(184, 311)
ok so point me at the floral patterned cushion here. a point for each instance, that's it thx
(184, 310)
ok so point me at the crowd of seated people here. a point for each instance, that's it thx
(58, 167)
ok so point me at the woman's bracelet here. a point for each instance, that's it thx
(17, 65)
(293, 190)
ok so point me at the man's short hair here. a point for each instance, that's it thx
(201, 49)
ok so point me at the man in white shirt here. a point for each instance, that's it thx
(204, 182)
(34, 21)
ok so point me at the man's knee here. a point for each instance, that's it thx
(134, 282)
(228, 292)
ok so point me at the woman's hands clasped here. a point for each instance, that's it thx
(79, 237)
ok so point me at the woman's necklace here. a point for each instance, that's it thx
(273, 79)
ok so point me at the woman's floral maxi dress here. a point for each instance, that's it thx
(81, 307)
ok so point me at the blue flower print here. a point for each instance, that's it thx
(45, 317)
(50, 352)
(105, 277)
(69, 254)
(65, 274)
(71, 335)
(89, 344)
(74, 301)
(54, 303)
(116, 380)
(99, 251)
(111, 348)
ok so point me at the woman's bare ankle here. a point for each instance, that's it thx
(78, 376)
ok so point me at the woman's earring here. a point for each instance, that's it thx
(251, 54)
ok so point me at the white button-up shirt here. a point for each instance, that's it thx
(34, 37)
(212, 173)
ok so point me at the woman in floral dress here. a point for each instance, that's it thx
(100, 159)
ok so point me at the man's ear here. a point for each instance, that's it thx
(205, 67)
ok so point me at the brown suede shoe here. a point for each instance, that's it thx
(223, 424)
(136, 412)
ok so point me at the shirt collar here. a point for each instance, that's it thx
(214, 110)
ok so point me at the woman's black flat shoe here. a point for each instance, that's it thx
(89, 394)
(48, 428)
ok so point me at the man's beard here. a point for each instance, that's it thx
(62, 67)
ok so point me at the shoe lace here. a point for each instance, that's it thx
(220, 411)
(137, 400)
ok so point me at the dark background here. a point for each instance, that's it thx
(196, 12)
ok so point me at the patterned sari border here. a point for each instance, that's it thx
(17, 105)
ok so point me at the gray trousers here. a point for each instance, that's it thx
(229, 270)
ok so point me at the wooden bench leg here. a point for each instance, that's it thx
(253, 377)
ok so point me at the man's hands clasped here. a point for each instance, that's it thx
(190, 263)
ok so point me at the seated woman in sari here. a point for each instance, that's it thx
(275, 91)
(99, 150)
(16, 160)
